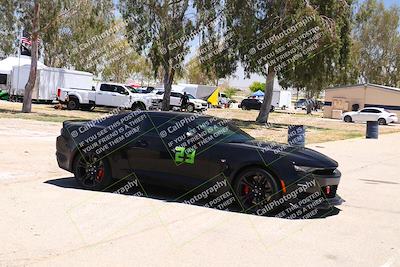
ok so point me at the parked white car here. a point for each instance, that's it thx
(194, 104)
(370, 114)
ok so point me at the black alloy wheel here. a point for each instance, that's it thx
(92, 172)
(255, 187)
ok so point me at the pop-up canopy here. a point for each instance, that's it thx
(258, 93)
(6, 65)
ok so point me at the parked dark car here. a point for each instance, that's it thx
(252, 103)
(149, 144)
(315, 104)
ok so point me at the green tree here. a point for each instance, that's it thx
(266, 31)
(164, 29)
(8, 29)
(194, 73)
(257, 86)
(230, 91)
(377, 41)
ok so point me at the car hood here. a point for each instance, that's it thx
(300, 156)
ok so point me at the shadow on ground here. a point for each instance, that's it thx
(173, 195)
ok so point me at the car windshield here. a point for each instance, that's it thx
(225, 131)
(190, 96)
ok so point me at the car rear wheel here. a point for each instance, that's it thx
(92, 172)
(382, 121)
(244, 107)
(255, 187)
(72, 104)
(348, 119)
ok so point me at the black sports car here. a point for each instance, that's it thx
(191, 151)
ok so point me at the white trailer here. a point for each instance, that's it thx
(197, 90)
(48, 80)
(281, 99)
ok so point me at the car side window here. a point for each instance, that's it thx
(121, 90)
(366, 111)
(175, 94)
(105, 88)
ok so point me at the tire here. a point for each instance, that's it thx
(138, 106)
(244, 108)
(272, 109)
(347, 118)
(265, 188)
(190, 108)
(92, 172)
(73, 104)
(382, 121)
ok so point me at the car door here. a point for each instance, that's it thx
(160, 156)
(120, 97)
(365, 115)
(175, 99)
(104, 95)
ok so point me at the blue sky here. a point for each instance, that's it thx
(391, 2)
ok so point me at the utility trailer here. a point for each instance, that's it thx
(47, 82)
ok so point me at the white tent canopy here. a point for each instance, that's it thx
(6, 65)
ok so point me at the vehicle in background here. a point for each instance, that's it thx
(315, 104)
(380, 115)
(253, 103)
(48, 80)
(197, 90)
(282, 99)
(141, 90)
(301, 104)
(4, 95)
(104, 94)
(194, 104)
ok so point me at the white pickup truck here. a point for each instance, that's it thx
(104, 94)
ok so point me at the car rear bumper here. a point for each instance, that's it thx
(63, 154)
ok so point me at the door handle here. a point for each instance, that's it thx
(99, 93)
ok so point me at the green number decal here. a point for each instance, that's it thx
(181, 156)
(190, 157)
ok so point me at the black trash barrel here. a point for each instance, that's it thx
(372, 129)
(296, 135)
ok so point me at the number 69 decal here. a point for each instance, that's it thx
(181, 156)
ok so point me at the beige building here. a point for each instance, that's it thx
(346, 98)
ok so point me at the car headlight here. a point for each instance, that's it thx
(303, 169)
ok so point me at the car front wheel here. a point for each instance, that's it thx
(255, 187)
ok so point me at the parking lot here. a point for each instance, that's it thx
(48, 221)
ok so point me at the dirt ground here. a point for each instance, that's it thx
(48, 221)
(318, 129)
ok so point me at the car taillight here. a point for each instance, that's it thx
(58, 92)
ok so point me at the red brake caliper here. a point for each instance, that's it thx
(100, 174)
(246, 189)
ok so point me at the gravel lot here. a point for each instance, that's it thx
(47, 221)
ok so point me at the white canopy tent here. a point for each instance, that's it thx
(6, 65)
